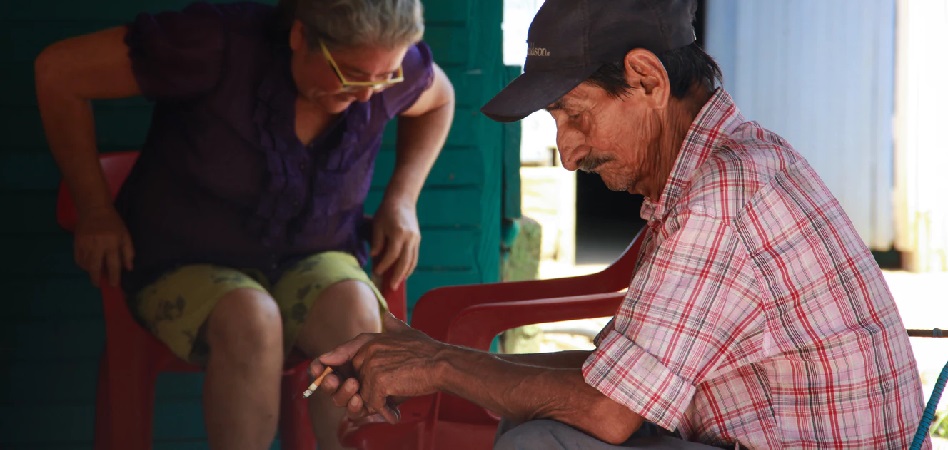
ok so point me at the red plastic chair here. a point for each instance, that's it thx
(129, 366)
(472, 316)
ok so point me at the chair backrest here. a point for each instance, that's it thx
(472, 315)
(115, 166)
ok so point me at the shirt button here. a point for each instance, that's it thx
(302, 167)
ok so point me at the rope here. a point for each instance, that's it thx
(929, 415)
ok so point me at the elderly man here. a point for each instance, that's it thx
(757, 317)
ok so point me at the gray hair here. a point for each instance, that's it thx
(347, 23)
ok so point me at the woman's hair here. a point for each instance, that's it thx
(685, 66)
(347, 23)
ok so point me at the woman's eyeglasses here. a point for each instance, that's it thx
(353, 86)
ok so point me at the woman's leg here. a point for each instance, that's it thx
(224, 319)
(327, 300)
(244, 367)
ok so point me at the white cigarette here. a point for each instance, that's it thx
(315, 384)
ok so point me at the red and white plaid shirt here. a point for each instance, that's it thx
(756, 313)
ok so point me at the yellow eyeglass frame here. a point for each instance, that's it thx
(352, 86)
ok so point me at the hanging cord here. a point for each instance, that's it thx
(929, 414)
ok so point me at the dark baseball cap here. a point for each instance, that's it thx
(569, 40)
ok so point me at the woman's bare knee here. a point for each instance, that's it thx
(342, 311)
(245, 323)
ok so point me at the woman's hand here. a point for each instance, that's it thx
(103, 245)
(396, 238)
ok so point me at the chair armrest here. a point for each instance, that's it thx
(476, 326)
(115, 168)
(432, 309)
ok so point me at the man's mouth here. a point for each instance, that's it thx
(590, 164)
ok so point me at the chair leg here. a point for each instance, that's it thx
(129, 399)
(296, 432)
(103, 417)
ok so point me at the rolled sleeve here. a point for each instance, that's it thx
(687, 318)
(418, 67)
(604, 331)
(626, 373)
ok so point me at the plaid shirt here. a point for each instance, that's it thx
(756, 314)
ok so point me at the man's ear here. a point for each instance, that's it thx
(297, 39)
(647, 75)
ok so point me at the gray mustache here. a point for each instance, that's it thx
(590, 164)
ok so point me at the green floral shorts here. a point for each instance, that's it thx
(177, 305)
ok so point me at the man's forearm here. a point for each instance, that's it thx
(523, 392)
(570, 359)
(513, 390)
(403, 362)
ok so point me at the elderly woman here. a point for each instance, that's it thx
(236, 233)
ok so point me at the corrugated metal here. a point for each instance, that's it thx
(819, 73)
(921, 120)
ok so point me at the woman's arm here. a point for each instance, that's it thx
(69, 74)
(422, 130)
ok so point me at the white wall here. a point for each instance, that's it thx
(820, 74)
(538, 136)
(921, 121)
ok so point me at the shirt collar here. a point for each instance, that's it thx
(718, 117)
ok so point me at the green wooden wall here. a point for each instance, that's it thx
(460, 208)
(51, 330)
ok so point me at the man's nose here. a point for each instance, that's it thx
(567, 149)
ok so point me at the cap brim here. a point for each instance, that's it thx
(533, 91)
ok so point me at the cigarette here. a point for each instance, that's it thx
(315, 384)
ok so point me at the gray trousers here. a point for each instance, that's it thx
(553, 435)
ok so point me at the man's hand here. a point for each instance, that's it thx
(396, 238)
(396, 364)
(343, 388)
(103, 245)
